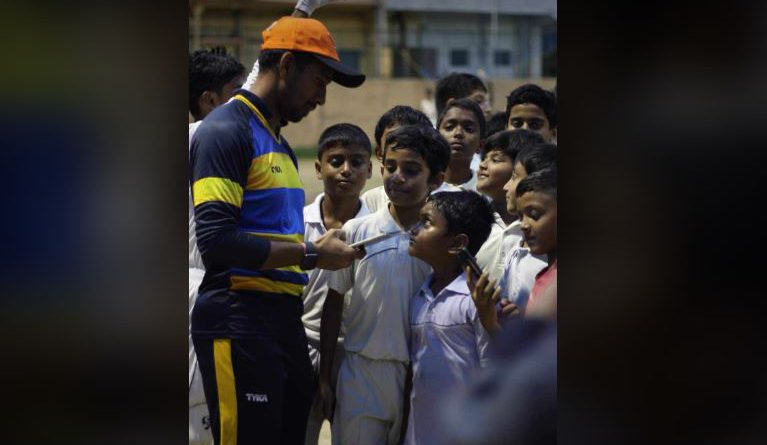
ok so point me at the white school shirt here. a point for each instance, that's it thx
(475, 161)
(491, 257)
(195, 259)
(448, 345)
(316, 289)
(376, 198)
(519, 274)
(470, 185)
(375, 319)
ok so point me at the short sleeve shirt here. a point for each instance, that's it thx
(375, 320)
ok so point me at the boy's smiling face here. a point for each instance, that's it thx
(344, 170)
(429, 239)
(406, 177)
(461, 130)
(538, 212)
(531, 117)
(518, 173)
(494, 172)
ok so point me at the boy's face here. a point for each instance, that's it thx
(517, 174)
(531, 117)
(482, 99)
(344, 170)
(538, 212)
(406, 177)
(494, 172)
(429, 240)
(461, 129)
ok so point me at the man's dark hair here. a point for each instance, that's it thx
(457, 86)
(466, 212)
(544, 181)
(270, 58)
(399, 115)
(424, 140)
(469, 105)
(210, 70)
(496, 123)
(538, 157)
(342, 134)
(511, 142)
(533, 94)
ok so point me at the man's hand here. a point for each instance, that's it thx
(333, 253)
(485, 295)
(508, 308)
(328, 399)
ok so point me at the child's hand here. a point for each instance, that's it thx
(328, 399)
(485, 295)
(508, 308)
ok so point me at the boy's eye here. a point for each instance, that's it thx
(516, 123)
(336, 161)
(536, 124)
(391, 168)
(357, 162)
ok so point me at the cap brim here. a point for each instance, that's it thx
(342, 74)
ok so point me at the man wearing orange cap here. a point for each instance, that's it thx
(248, 203)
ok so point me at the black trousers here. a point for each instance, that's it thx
(259, 389)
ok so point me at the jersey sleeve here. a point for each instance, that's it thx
(219, 162)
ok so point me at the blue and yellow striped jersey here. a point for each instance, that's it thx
(246, 190)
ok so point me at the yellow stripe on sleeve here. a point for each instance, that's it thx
(217, 189)
(227, 397)
(264, 284)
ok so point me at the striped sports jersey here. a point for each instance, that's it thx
(246, 191)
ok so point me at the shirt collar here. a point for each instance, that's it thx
(457, 286)
(255, 100)
(313, 212)
(386, 223)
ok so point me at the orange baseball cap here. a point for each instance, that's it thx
(310, 36)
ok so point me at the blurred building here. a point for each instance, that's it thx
(498, 39)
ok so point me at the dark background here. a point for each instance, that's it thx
(661, 165)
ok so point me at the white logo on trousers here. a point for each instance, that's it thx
(260, 398)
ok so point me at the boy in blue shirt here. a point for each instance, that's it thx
(448, 342)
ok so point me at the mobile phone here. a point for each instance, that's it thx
(467, 258)
(373, 239)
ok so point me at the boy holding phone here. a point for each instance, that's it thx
(448, 343)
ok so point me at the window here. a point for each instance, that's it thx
(459, 57)
(502, 57)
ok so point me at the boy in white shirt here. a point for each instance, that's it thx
(343, 165)
(495, 171)
(463, 125)
(448, 343)
(391, 120)
(371, 381)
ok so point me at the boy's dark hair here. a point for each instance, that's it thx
(538, 157)
(457, 86)
(424, 140)
(210, 70)
(496, 123)
(511, 142)
(270, 58)
(469, 105)
(544, 181)
(466, 212)
(344, 135)
(533, 94)
(399, 115)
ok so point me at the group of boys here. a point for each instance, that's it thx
(409, 322)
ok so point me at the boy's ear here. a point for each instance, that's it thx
(206, 102)
(457, 243)
(370, 169)
(318, 169)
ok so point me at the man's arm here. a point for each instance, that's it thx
(330, 327)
